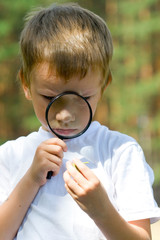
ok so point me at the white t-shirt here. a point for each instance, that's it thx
(115, 158)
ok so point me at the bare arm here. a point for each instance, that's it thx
(114, 227)
(14, 209)
(88, 192)
(48, 157)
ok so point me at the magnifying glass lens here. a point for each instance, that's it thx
(68, 115)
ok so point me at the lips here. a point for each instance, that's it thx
(65, 132)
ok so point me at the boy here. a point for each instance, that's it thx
(67, 48)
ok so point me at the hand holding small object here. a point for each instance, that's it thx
(85, 188)
(77, 167)
(48, 156)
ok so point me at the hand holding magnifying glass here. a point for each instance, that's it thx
(68, 116)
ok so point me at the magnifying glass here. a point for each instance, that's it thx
(68, 116)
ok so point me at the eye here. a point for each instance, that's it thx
(87, 98)
(48, 97)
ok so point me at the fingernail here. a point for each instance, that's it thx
(65, 149)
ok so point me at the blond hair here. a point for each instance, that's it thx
(69, 37)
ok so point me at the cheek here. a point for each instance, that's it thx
(93, 104)
(39, 109)
(93, 108)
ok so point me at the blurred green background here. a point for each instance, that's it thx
(130, 105)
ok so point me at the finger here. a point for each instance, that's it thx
(54, 159)
(85, 171)
(73, 195)
(50, 163)
(72, 187)
(54, 150)
(76, 174)
(57, 141)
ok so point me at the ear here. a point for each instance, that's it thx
(26, 88)
(107, 81)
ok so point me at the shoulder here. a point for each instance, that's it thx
(17, 155)
(33, 138)
(115, 149)
(17, 143)
(109, 139)
(122, 153)
(15, 149)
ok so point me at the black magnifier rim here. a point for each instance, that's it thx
(54, 99)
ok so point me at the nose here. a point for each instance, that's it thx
(65, 116)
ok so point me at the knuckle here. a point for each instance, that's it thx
(40, 148)
(88, 188)
(82, 193)
(59, 150)
(56, 141)
(96, 183)
(91, 186)
(39, 152)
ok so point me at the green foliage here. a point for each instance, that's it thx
(17, 117)
(156, 173)
(31, 123)
(131, 8)
(138, 29)
(133, 97)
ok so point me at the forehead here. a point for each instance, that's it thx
(43, 75)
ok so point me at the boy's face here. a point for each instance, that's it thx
(44, 85)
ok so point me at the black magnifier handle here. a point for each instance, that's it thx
(49, 174)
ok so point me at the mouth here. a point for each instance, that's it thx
(65, 132)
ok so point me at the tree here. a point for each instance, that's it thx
(134, 95)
